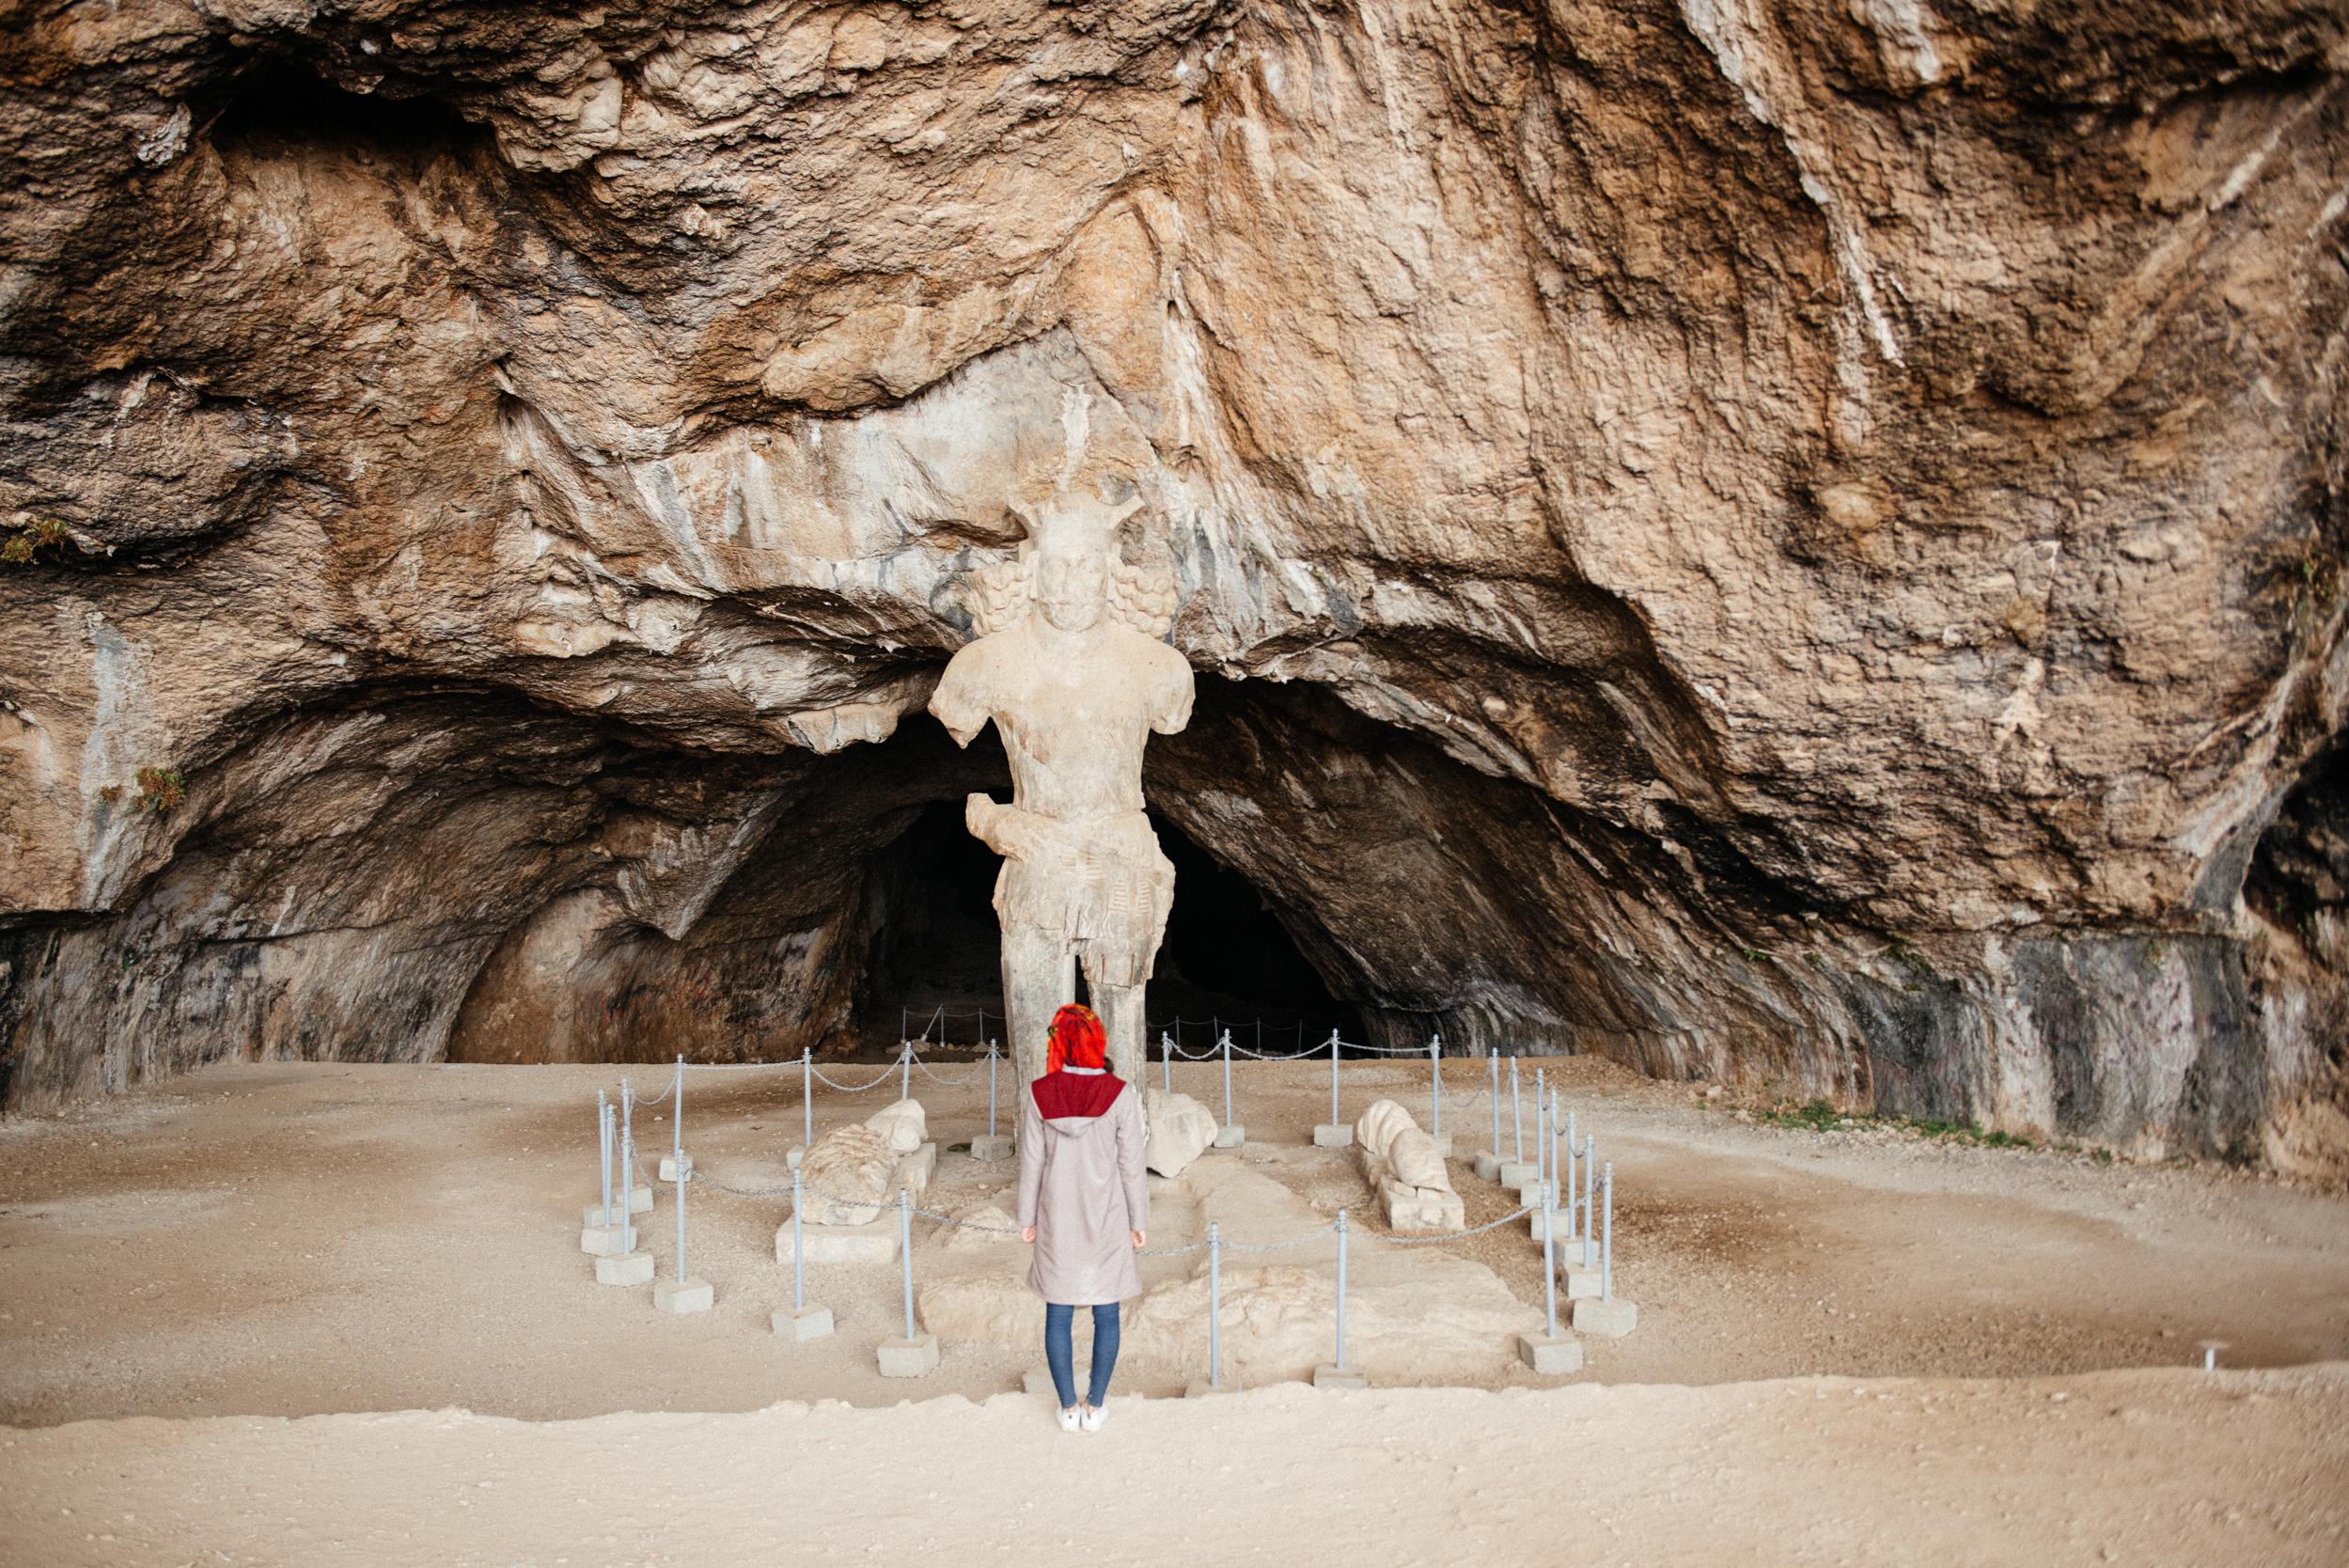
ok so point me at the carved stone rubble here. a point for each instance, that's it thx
(1413, 1186)
(853, 1173)
(1180, 1129)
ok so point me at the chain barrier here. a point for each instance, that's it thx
(883, 1077)
(644, 1099)
(943, 1081)
(1426, 1238)
(703, 1178)
(1322, 1051)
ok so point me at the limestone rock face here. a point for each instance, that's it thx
(1180, 1130)
(1799, 545)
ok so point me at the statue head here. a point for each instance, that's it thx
(1069, 569)
(1071, 583)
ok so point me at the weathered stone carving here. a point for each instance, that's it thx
(1180, 1130)
(1409, 1177)
(853, 1172)
(1069, 664)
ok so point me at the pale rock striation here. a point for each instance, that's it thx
(1404, 1169)
(1799, 547)
(1180, 1131)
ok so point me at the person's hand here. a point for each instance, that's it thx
(1139, 1238)
(1028, 1234)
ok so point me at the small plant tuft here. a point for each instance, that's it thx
(160, 788)
(27, 540)
(1818, 1115)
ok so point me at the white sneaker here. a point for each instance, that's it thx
(1069, 1419)
(1091, 1418)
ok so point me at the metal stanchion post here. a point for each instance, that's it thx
(905, 1245)
(799, 1247)
(806, 1098)
(1435, 1093)
(1567, 1165)
(680, 1222)
(1333, 1077)
(1341, 1290)
(1549, 1266)
(1516, 1118)
(1166, 1061)
(627, 1189)
(677, 1116)
(991, 1089)
(905, 1077)
(603, 1139)
(1590, 1164)
(1214, 1306)
(1226, 1044)
(1606, 1233)
(1542, 1151)
(1493, 1071)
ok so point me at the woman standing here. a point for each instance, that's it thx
(1084, 1203)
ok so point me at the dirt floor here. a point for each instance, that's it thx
(2130, 1468)
(298, 1239)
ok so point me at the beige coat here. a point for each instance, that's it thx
(1081, 1186)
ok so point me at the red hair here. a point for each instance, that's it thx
(1077, 1040)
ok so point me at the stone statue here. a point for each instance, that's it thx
(1071, 664)
(1405, 1173)
(853, 1172)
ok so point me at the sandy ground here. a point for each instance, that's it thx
(2139, 1468)
(296, 1240)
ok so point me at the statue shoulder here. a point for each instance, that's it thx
(964, 693)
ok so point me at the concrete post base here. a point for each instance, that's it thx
(790, 1156)
(1611, 1319)
(803, 1323)
(871, 1242)
(1326, 1135)
(1517, 1173)
(914, 1357)
(1327, 1376)
(1230, 1135)
(682, 1295)
(669, 1170)
(592, 1213)
(1488, 1166)
(992, 1148)
(1582, 1284)
(625, 1269)
(1548, 1357)
(608, 1240)
(1556, 1222)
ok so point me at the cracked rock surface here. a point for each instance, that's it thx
(1792, 544)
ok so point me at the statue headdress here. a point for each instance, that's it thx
(1002, 595)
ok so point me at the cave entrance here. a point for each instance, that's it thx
(1227, 960)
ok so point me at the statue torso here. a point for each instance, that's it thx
(1075, 713)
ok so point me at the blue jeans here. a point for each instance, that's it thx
(1060, 1353)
